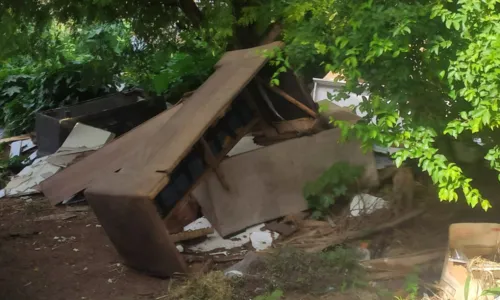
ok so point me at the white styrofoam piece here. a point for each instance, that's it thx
(233, 274)
(200, 223)
(385, 150)
(87, 136)
(27, 145)
(246, 144)
(215, 241)
(261, 240)
(15, 149)
(366, 204)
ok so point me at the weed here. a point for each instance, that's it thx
(212, 286)
(411, 286)
(276, 295)
(293, 270)
(332, 184)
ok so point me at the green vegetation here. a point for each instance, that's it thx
(275, 295)
(212, 286)
(334, 183)
(430, 66)
(292, 270)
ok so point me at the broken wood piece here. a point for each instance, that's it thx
(388, 275)
(191, 235)
(302, 125)
(15, 149)
(212, 162)
(281, 228)
(15, 138)
(79, 208)
(200, 258)
(289, 98)
(404, 261)
(296, 218)
(56, 217)
(354, 235)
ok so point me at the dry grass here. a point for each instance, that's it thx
(212, 286)
(316, 273)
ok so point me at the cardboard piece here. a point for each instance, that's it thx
(473, 240)
(82, 140)
(84, 136)
(267, 183)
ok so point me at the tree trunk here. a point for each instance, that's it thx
(192, 12)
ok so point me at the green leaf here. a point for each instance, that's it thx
(492, 291)
(485, 205)
(399, 161)
(467, 287)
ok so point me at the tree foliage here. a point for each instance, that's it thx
(431, 67)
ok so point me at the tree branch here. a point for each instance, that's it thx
(192, 12)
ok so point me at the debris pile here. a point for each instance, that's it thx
(219, 178)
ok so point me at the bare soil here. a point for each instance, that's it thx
(74, 259)
(65, 259)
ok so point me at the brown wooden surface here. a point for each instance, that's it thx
(209, 102)
(134, 226)
(191, 234)
(109, 159)
(267, 183)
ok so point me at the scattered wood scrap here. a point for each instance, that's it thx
(283, 229)
(56, 217)
(15, 138)
(322, 235)
(191, 234)
(400, 266)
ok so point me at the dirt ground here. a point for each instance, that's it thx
(74, 259)
(66, 259)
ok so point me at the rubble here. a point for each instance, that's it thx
(259, 239)
(80, 142)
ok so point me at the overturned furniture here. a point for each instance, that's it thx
(139, 182)
(117, 113)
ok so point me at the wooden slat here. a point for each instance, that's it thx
(187, 197)
(290, 99)
(109, 159)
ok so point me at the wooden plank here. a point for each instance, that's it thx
(191, 235)
(209, 102)
(267, 183)
(290, 99)
(15, 138)
(109, 159)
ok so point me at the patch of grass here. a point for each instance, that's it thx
(314, 273)
(212, 286)
(276, 295)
